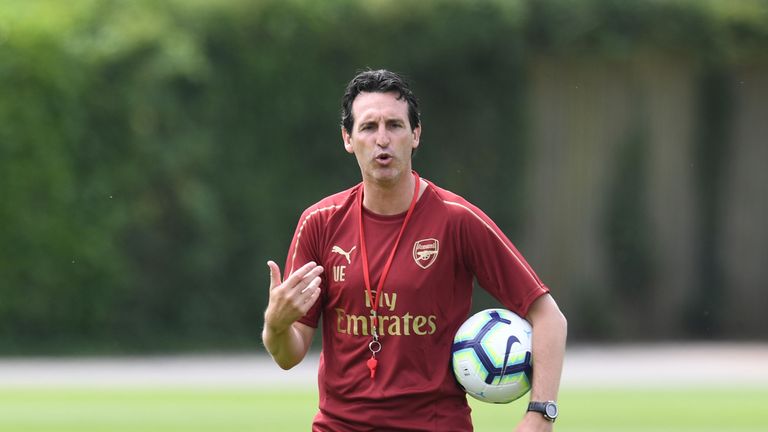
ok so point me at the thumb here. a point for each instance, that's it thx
(274, 275)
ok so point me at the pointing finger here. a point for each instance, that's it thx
(299, 274)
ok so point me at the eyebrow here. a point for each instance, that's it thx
(386, 120)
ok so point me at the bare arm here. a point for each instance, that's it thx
(550, 329)
(287, 340)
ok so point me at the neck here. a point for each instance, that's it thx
(389, 199)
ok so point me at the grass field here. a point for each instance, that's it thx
(229, 410)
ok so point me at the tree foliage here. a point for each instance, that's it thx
(153, 155)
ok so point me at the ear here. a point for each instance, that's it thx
(346, 137)
(416, 136)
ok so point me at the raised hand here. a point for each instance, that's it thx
(290, 299)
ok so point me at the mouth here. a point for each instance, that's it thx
(383, 158)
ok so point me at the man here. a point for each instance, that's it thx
(388, 266)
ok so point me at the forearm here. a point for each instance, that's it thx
(287, 347)
(549, 335)
(548, 344)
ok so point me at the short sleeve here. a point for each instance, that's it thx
(496, 263)
(303, 249)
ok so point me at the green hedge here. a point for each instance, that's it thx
(154, 154)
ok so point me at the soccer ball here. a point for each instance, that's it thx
(491, 356)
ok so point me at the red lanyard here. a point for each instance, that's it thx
(375, 345)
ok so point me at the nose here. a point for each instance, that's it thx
(382, 137)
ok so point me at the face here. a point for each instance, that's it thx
(381, 137)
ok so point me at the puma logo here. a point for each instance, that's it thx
(340, 251)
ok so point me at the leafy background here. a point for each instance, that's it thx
(154, 155)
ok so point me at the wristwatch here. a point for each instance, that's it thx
(548, 409)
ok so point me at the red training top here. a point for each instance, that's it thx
(425, 298)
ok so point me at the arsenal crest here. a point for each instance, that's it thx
(425, 252)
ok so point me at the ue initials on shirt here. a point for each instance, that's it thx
(338, 273)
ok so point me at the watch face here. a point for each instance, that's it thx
(551, 410)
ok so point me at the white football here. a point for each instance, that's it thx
(491, 356)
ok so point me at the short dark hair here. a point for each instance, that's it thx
(381, 81)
